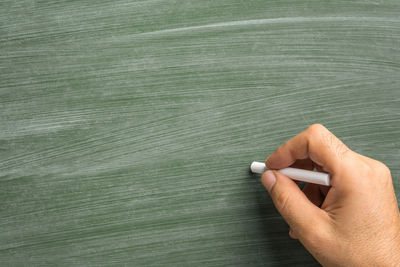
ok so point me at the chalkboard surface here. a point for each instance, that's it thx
(127, 127)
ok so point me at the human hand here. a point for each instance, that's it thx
(356, 221)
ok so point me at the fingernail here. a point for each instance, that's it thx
(268, 179)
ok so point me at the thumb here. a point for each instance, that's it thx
(302, 215)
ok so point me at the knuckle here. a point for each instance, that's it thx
(316, 129)
(383, 169)
(374, 169)
(366, 169)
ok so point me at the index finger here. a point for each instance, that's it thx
(316, 143)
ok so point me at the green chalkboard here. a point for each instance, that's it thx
(127, 127)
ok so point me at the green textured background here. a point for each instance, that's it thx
(127, 127)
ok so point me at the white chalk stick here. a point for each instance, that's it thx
(296, 174)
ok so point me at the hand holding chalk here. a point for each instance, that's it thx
(296, 174)
(347, 223)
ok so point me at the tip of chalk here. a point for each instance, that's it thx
(257, 167)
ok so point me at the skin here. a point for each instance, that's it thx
(355, 221)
